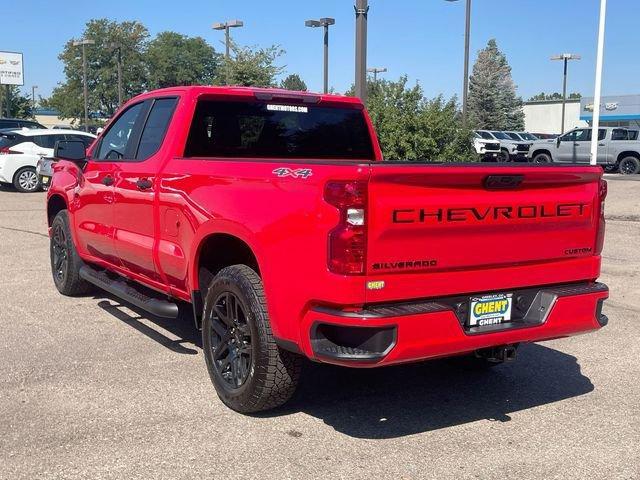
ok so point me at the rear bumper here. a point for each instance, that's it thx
(408, 332)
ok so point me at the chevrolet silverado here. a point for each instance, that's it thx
(274, 215)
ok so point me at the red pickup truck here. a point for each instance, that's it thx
(274, 214)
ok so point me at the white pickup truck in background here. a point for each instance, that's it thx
(618, 149)
(487, 147)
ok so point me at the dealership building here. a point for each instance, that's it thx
(615, 111)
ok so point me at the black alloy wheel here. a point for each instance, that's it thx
(231, 340)
(629, 166)
(59, 253)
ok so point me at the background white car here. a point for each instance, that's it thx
(21, 149)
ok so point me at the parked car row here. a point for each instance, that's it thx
(20, 150)
(493, 145)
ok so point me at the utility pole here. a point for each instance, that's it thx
(33, 101)
(227, 37)
(118, 48)
(323, 22)
(84, 43)
(362, 11)
(376, 71)
(565, 57)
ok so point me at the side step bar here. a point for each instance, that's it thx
(129, 293)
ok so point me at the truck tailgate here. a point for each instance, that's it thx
(426, 219)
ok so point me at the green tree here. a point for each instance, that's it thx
(175, 59)
(493, 103)
(14, 103)
(410, 127)
(294, 82)
(131, 37)
(250, 66)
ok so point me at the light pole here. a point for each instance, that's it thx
(227, 39)
(323, 22)
(467, 36)
(226, 26)
(84, 43)
(362, 12)
(376, 71)
(33, 101)
(565, 57)
(118, 48)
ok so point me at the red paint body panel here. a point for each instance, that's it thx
(155, 236)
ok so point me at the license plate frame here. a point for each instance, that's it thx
(490, 309)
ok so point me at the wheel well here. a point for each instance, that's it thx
(538, 152)
(628, 154)
(55, 204)
(219, 251)
(215, 253)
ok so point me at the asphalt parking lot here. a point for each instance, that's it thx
(92, 389)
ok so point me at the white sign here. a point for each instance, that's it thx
(11, 69)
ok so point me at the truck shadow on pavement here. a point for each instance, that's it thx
(402, 400)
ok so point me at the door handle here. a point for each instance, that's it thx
(602, 145)
(108, 180)
(144, 184)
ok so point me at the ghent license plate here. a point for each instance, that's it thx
(490, 309)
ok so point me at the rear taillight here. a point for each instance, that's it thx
(7, 151)
(602, 195)
(348, 240)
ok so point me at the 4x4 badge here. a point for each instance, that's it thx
(297, 173)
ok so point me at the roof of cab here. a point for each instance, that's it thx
(276, 93)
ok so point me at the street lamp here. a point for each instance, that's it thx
(565, 57)
(84, 43)
(118, 48)
(362, 11)
(323, 22)
(33, 101)
(226, 26)
(376, 71)
(467, 34)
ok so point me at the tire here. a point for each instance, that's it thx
(65, 261)
(542, 158)
(629, 166)
(248, 370)
(504, 156)
(26, 180)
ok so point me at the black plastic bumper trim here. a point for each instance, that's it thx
(349, 343)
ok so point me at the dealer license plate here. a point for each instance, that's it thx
(490, 309)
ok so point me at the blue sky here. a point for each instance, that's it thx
(422, 38)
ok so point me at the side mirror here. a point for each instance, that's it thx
(558, 141)
(72, 150)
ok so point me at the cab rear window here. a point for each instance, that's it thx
(264, 130)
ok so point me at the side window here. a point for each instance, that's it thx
(116, 142)
(156, 127)
(47, 141)
(618, 134)
(82, 138)
(602, 133)
(569, 137)
(583, 135)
